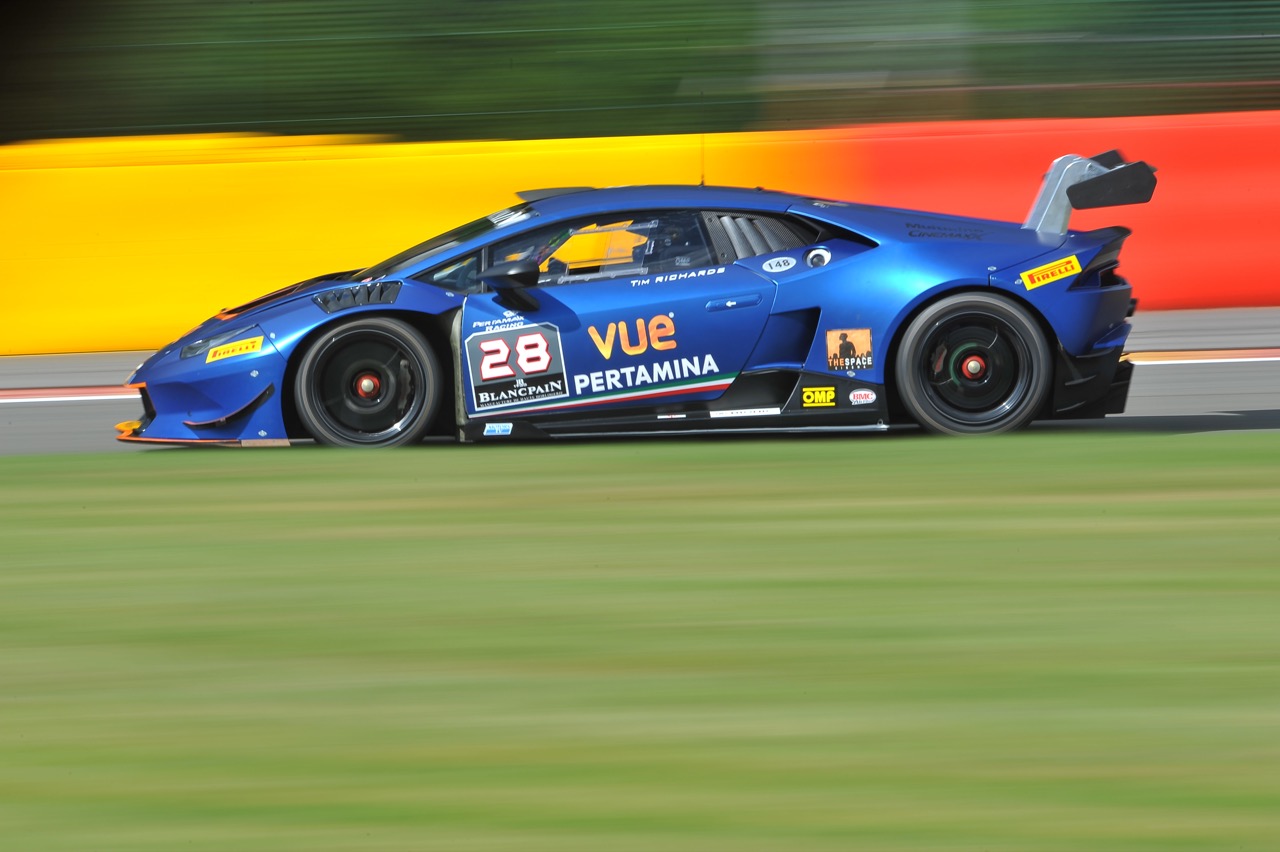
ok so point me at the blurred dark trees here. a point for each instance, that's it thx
(469, 69)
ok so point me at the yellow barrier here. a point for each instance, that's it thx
(126, 243)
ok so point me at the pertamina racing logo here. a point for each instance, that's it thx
(1041, 275)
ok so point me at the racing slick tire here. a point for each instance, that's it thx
(973, 363)
(369, 382)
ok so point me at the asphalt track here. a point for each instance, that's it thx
(1196, 371)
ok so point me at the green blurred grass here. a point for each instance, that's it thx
(1035, 642)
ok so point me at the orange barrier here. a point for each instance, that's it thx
(125, 243)
(1202, 242)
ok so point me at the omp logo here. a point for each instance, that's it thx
(658, 333)
(1041, 275)
(230, 350)
(818, 397)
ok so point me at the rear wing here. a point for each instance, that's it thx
(1083, 183)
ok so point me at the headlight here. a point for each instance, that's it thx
(203, 345)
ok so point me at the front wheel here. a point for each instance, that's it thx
(973, 363)
(371, 382)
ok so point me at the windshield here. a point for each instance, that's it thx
(413, 257)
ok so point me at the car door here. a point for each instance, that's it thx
(632, 310)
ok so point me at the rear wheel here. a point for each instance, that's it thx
(372, 382)
(973, 363)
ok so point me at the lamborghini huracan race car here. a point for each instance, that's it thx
(659, 309)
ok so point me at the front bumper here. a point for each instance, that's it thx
(231, 402)
(142, 431)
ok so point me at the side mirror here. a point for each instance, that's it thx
(511, 280)
(507, 276)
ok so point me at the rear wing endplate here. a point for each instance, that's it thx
(1083, 183)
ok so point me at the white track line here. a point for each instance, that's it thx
(1214, 356)
(1207, 356)
(91, 394)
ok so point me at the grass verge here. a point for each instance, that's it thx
(1040, 641)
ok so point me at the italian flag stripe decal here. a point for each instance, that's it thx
(674, 389)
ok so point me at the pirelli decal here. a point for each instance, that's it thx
(230, 350)
(1041, 275)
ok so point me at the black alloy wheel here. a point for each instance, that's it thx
(973, 363)
(371, 382)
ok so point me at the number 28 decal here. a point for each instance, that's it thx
(513, 367)
(532, 356)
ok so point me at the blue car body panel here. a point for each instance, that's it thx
(746, 337)
(625, 340)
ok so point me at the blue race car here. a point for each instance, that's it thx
(660, 309)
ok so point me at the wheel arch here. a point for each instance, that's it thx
(433, 327)
(897, 410)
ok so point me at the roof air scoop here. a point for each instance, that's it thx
(1083, 183)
